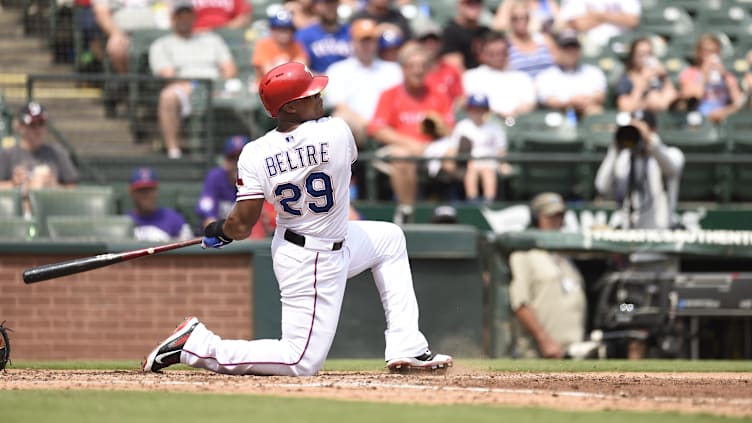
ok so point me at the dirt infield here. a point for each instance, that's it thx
(727, 394)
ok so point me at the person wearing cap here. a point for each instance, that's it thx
(462, 34)
(27, 162)
(547, 291)
(151, 222)
(510, 93)
(571, 85)
(441, 75)
(487, 140)
(397, 124)
(642, 175)
(364, 70)
(219, 192)
(185, 54)
(600, 20)
(327, 41)
(390, 42)
(386, 16)
(279, 46)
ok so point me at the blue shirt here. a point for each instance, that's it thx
(324, 48)
(218, 196)
(161, 225)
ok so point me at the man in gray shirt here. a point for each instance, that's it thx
(185, 54)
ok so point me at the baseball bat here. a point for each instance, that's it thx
(70, 267)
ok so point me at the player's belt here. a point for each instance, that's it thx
(300, 241)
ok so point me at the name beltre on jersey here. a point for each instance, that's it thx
(296, 158)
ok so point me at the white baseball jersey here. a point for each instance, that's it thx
(305, 173)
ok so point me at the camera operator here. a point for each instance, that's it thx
(641, 174)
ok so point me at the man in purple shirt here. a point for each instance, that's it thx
(153, 223)
(218, 195)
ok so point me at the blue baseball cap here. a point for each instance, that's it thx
(281, 19)
(479, 101)
(143, 177)
(234, 145)
(390, 39)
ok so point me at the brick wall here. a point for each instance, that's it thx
(122, 311)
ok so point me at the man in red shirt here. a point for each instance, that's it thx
(213, 14)
(397, 124)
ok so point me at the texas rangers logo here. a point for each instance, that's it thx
(290, 138)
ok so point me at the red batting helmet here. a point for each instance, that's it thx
(288, 82)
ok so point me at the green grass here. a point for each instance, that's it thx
(500, 365)
(165, 407)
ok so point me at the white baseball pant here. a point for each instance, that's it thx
(312, 285)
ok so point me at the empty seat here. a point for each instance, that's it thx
(80, 201)
(15, 228)
(598, 130)
(88, 228)
(10, 203)
(738, 129)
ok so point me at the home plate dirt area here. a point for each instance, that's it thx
(727, 394)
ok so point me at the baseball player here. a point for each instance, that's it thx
(303, 168)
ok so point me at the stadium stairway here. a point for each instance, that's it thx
(75, 109)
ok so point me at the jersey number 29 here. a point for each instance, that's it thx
(318, 185)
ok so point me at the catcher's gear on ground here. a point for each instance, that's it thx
(288, 82)
(4, 346)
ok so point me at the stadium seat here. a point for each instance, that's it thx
(547, 133)
(738, 130)
(10, 203)
(700, 181)
(15, 228)
(733, 21)
(79, 201)
(598, 130)
(90, 228)
(668, 21)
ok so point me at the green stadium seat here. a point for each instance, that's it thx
(738, 130)
(10, 203)
(80, 201)
(733, 21)
(15, 228)
(547, 133)
(700, 181)
(668, 21)
(90, 228)
(598, 130)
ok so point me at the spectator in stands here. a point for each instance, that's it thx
(327, 41)
(397, 124)
(642, 175)
(153, 223)
(91, 59)
(708, 84)
(363, 70)
(441, 75)
(547, 291)
(303, 12)
(571, 85)
(543, 15)
(528, 52)
(645, 84)
(390, 43)
(117, 18)
(509, 92)
(218, 196)
(386, 15)
(600, 20)
(279, 47)
(462, 36)
(210, 15)
(747, 80)
(27, 162)
(185, 54)
(487, 139)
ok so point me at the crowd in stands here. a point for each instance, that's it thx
(393, 71)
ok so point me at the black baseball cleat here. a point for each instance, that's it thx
(426, 362)
(168, 352)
